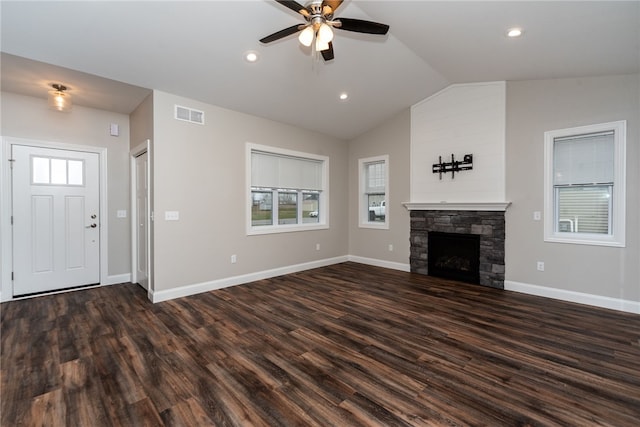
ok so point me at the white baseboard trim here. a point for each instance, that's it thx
(197, 288)
(118, 278)
(381, 263)
(572, 296)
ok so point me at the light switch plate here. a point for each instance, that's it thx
(121, 213)
(171, 215)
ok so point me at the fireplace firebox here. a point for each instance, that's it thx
(454, 256)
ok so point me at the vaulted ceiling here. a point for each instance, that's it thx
(111, 53)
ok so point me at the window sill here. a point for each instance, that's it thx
(256, 231)
(373, 225)
(585, 239)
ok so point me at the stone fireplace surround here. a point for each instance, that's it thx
(486, 220)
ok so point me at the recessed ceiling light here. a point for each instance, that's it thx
(251, 56)
(344, 96)
(514, 32)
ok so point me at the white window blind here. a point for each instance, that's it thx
(584, 159)
(269, 170)
(375, 177)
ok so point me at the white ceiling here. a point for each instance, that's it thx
(110, 53)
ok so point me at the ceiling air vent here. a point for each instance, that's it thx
(189, 115)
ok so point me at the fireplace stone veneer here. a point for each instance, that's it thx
(489, 225)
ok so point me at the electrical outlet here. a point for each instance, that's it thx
(317, 246)
(390, 248)
(540, 266)
(537, 216)
(234, 259)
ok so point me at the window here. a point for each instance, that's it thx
(288, 190)
(374, 195)
(585, 184)
(53, 171)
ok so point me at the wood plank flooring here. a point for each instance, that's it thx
(345, 345)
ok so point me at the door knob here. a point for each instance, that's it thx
(91, 226)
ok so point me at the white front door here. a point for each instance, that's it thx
(56, 224)
(142, 212)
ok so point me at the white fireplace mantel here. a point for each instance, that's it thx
(456, 206)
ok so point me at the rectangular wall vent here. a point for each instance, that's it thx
(189, 115)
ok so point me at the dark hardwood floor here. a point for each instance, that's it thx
(342, 345)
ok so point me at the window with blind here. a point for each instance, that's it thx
(374, 183)
(584, 184)
(288, 190)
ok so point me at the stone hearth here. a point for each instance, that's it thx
(489, 225)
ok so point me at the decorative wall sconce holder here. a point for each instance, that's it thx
(453, 166)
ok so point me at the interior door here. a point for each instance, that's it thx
(142, 223)
(56, 224)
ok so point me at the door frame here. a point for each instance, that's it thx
(133, 154)
(6, 232)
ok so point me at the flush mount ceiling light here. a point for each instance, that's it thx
(514, 32)
(344, 96)
(59, 100)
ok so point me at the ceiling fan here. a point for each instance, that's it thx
(319, 17)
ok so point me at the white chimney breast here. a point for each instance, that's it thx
(460, 119)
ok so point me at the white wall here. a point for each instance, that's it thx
(199, 170)
(460, 119)
(600, 275)
(30, 118)
(142, 122)
(372, 245)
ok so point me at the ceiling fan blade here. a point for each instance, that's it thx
(333, 4)
(280, 34)
(361, 26)
(295, 6)
(327, 54)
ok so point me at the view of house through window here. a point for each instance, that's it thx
(585, 193)
(261, 207)
(287, 190)
(583, 183)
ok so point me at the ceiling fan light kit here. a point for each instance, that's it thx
(306, 36)
(319, 17)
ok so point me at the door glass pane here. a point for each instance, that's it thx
(58, 171)
(287, 208)
(75, 172)
(261, 208)
(310, 207)
(584, 209)
(40, 170)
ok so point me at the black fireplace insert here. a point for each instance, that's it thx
(454, 256)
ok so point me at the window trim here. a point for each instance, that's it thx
(363, 205)
(618, 209)
(323, 214)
